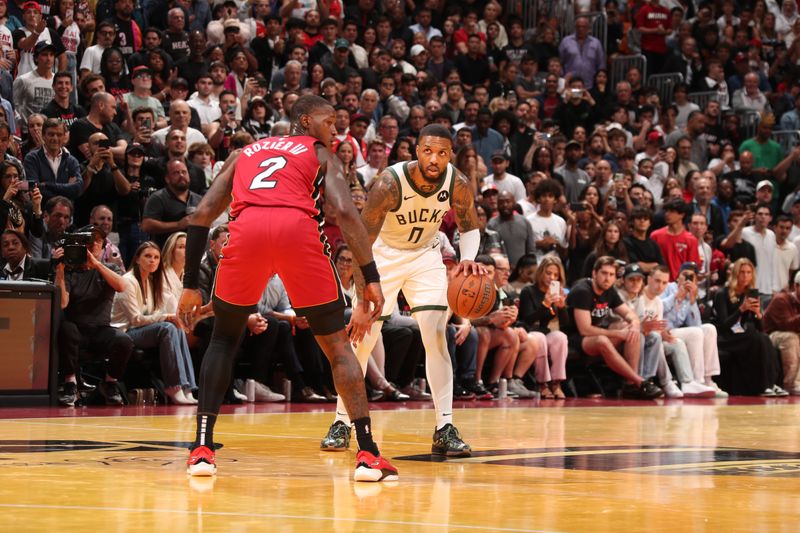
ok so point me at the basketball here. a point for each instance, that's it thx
(471, 296)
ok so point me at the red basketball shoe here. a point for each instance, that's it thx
(201, 462)
(371, 468)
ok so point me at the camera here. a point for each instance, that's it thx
(75, 247)
(689, 277)
(577, 206)
(576, 93)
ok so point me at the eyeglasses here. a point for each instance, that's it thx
(344, 261)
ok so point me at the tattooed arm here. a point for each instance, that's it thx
(467, 221)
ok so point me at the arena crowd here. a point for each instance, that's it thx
(636, 168)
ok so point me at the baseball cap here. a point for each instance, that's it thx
(764, 183)
(32, 5)
(141, 69)
(655, 137)
(358, 117)
(341, 43)
(499, 154)
(689, 265)
(180, 82)
(416, 50)
(231, 25)
(135, 147)
(258, 100)
(41, 46)
(633, 269)
(615, 128)
(573, 144)
(489, 188)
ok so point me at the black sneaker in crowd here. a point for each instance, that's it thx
(476, 386)
(461, 393)
(447, 441)
(68, 395)
(647, 390)
(110, 392)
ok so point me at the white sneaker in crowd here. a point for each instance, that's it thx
(671, 390)
(694, 389)
(264, 394)
(516, 386)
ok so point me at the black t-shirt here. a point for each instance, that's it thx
(514, 54)
(192, 70)
(68, 115)
(473, 70)
(582, 296)
(90, 297)
(744, 184)
(645, 251)
(124, 40)
(101, 191)
(166, 207)
(176, 44)
(82, 129)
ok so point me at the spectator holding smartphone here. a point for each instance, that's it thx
(103, 182)
(752, 368)
(20, 204)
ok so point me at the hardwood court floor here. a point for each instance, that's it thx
(582, 467)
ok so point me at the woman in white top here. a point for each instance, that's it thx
(142, 312)
(173, 260)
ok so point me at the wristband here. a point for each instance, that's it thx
(370, 273)
(196, 238)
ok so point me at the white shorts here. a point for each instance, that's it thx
(419, 273)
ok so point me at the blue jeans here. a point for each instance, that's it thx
(651, 352)
(173, 351)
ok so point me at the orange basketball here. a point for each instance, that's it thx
(471, 296)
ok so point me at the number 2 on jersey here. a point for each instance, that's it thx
(270, 166)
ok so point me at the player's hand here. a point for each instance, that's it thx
(189, 306)
(462, 332)
(468, 267)
(366, 312)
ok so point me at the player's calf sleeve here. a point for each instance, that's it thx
(438, 366)
(217, 366)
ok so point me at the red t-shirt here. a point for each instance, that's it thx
(676, 249)
(461, 36)
(651, 16)
(278, 172)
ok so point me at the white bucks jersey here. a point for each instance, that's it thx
(415, 222)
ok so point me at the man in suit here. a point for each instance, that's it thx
(688, 62)
(16, 263)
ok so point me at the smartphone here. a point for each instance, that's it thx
(752, 293)
(576, 93)
(555, 288)
(23, 185)
(577, 207)
(689, 277)
(232, 108)
(147, 123)
(105, 143)
(619, 176)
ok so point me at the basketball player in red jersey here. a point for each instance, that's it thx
(276, 228)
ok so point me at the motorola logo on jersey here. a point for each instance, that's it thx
(443, 196)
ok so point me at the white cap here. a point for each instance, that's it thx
(764, 183)
(416, 50)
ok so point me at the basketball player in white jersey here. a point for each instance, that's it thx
(403, 213)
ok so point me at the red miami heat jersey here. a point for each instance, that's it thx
(278, 172)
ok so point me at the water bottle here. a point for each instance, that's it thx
(502, 389)
(422, 385)
(250, 390)
(287, 389)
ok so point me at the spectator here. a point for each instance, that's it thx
(174, 259)
(61, 106)
(473, 66)
(733, 245)
(501, 179)
(752, 364)
(27, 38)
(549, 229)
(608, 245)
(145, 310)
(90, 289)
(641, 249)
(514, 229)
(156, 168)
(486, 140)
(787, 257)
(575, 178)
(763, 241)
(17, 263)
(105, 35)
(678, 246)
(702, 204)
(99, 120)
(698, 147)
(19, 210)
(141, 96)
(179, 116)
(791, 119)
(168, 209)
(34, 89)
(590, 302)
(781, 323)
(52, 166)
(542, 308)
(581, 53)
(750, 96)
(103, 181)
(577, 110)
(767, 154)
